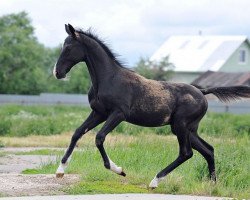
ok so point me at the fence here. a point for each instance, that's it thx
(240, 107)
(45, 99)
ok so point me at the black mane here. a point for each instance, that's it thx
(103, 44)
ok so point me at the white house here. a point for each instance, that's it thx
(194, 55)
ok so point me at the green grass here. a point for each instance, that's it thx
(41, 152)
(17, 120)
(1, 144)
(104, 187)
(2, 154)
(2, 195)
(143, 157)
(142, 152)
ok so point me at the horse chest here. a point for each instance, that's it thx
(98, 105)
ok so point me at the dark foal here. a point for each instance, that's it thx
(119, 94)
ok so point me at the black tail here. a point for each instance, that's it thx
(225, 94)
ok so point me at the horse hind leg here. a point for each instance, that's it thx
(206, 150)
(185, 152)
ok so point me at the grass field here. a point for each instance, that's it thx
(17, 120)
(142, 152)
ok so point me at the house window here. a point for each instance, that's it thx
(242, 56)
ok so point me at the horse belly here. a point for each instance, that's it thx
(151, 109)
(149, 119)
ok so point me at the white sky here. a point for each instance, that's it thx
(133, 28)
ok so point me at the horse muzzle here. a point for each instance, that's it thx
(57, 74)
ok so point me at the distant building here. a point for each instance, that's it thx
(194, 55)
(216, 79)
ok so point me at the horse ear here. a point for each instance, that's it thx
(67, 29)
(70, 30)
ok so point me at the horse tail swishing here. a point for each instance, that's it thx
(226, 94)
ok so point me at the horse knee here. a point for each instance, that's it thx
(75, 137)
(189, 155)
(211, 154)
(186, 155)
(99, 140)
(212, 149)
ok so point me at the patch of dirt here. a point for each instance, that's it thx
(32, 185)
(17, 163)
(13, 183)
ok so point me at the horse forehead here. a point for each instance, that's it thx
(68, 40)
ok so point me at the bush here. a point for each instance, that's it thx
(16, 120)
(5, 126)
(1, 144)
(40, 120)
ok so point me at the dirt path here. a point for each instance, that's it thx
(11, 163)
(13, 183)
(32, 185)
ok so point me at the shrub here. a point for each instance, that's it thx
(5, 126)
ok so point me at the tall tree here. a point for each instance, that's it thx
(26, 65)
(158, 70)
(21, 56)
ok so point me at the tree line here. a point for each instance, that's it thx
(26, 65)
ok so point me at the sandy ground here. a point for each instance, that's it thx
(13, 183)
(32, 185)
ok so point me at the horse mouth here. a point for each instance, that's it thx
(63, 76)
(58, 75)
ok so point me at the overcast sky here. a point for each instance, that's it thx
(133, 28)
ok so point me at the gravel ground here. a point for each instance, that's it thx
(17, 163)
(13, 183)
(33, 185)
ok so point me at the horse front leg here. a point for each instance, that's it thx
(113, 120)
(91, 122)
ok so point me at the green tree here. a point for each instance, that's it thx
(21, 56)
(26, 65)
(158, 70)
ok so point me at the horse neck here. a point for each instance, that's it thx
(101, 68)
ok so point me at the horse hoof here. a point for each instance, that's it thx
(122, 173)
(213, 177)
(154, 183)
(59, 175)
(151, 188)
